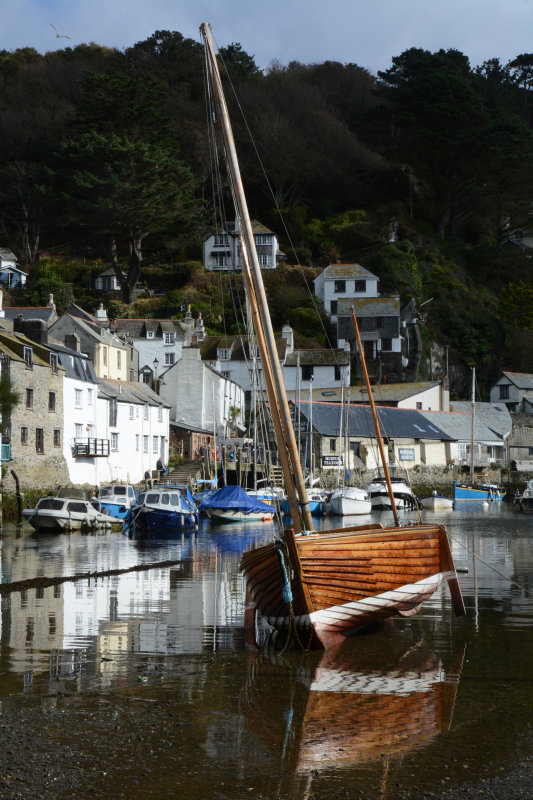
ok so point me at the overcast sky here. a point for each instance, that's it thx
(365, 32)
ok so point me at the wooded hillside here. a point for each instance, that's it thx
(105, 160)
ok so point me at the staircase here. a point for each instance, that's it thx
(183, 474)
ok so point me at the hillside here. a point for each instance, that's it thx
(422, 174)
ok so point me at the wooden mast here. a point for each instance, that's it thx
(472, 425)
(375, 418)
(286, 440)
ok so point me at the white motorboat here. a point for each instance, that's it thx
(403, 494)
(437, 502)
(349, 500)
(69, 510)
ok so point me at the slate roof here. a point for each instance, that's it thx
(522, 380)
(343, 271)
(458, 424)
(45, 313)
(240, 351)
(391, 392)
(77, 365)
(495, 416)
(395, 423)
(7, 254)
(369, 306)
(137, 328)
(129, 392)
(317, 358)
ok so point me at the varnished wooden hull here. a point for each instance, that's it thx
(345, 579)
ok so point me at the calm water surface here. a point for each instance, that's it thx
(420, 704)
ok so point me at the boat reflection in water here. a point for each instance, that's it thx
(360, 702)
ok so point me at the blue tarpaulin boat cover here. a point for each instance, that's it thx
(234, 498)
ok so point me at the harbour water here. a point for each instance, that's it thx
(421, 705)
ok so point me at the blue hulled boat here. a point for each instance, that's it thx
(117, 499)
(163, 510)
(477, 493)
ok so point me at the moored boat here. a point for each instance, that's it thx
(348, 501)
(477, 492)
(436, 502)
(117, 499)
(69, 510)
(166, 509)
(233, 504)
(380, 497)
(525, 501)
(323, 585)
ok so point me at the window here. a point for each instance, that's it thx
(29, 398)
(24, 435)
(51, 401)
(114, 441)
(332, 445)
(262, 238)
(340, 286)
(504, 392)
(28, 357)
(360, 286)
(39, 440)
(77, 398)
(57, 437)
(113, 411)
(418, 405)
(146, 411)
(132, 412)
(307, 372)
(386, 344)
(146, 377)
(170, 337)
(223, 353)
(53, 362)
(78, 430)
(169, 359)
(104, 356)
(221, 239)
(119, 359)
(155, 444)
(89, 397)
(264, 260)
(149, 334)
(380, 323)
(337, 374)
(333, 307)
(145, 444)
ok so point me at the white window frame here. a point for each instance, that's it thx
(169, 359)
(155, 444)
(78, 398)
(170, 337)
(145, 444)
(114, 441)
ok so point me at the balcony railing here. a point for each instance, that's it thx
(89, 448)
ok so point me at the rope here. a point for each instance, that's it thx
(486, 564)
(286, 591)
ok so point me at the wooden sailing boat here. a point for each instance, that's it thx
(327, 584)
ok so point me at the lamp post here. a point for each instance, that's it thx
(156, 364)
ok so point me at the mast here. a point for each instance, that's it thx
(376, 421)
(292, 469)
(472, 425)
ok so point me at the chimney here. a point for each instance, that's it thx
(34, 329)
(72, 341)
(288, 335)
(51, 303)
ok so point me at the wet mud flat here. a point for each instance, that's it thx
(146, 743)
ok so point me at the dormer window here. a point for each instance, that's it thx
(149, 334)
(224, 353)
(28, 357)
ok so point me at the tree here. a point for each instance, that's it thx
(126, 190)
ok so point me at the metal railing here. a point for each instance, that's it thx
(90, 447)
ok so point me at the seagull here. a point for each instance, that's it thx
(59, 35)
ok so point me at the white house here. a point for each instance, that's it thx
(344, 281)
(159, 343)
(10, 274)
(222, 251)
(107, 281)
(135, 422)
(200, 396)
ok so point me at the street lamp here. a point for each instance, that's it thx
(156, 364)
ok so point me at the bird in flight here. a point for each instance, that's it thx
(59, 35)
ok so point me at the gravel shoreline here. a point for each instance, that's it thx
(87, 746)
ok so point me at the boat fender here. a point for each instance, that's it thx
(286, 591)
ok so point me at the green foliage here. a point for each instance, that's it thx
(8, 400)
